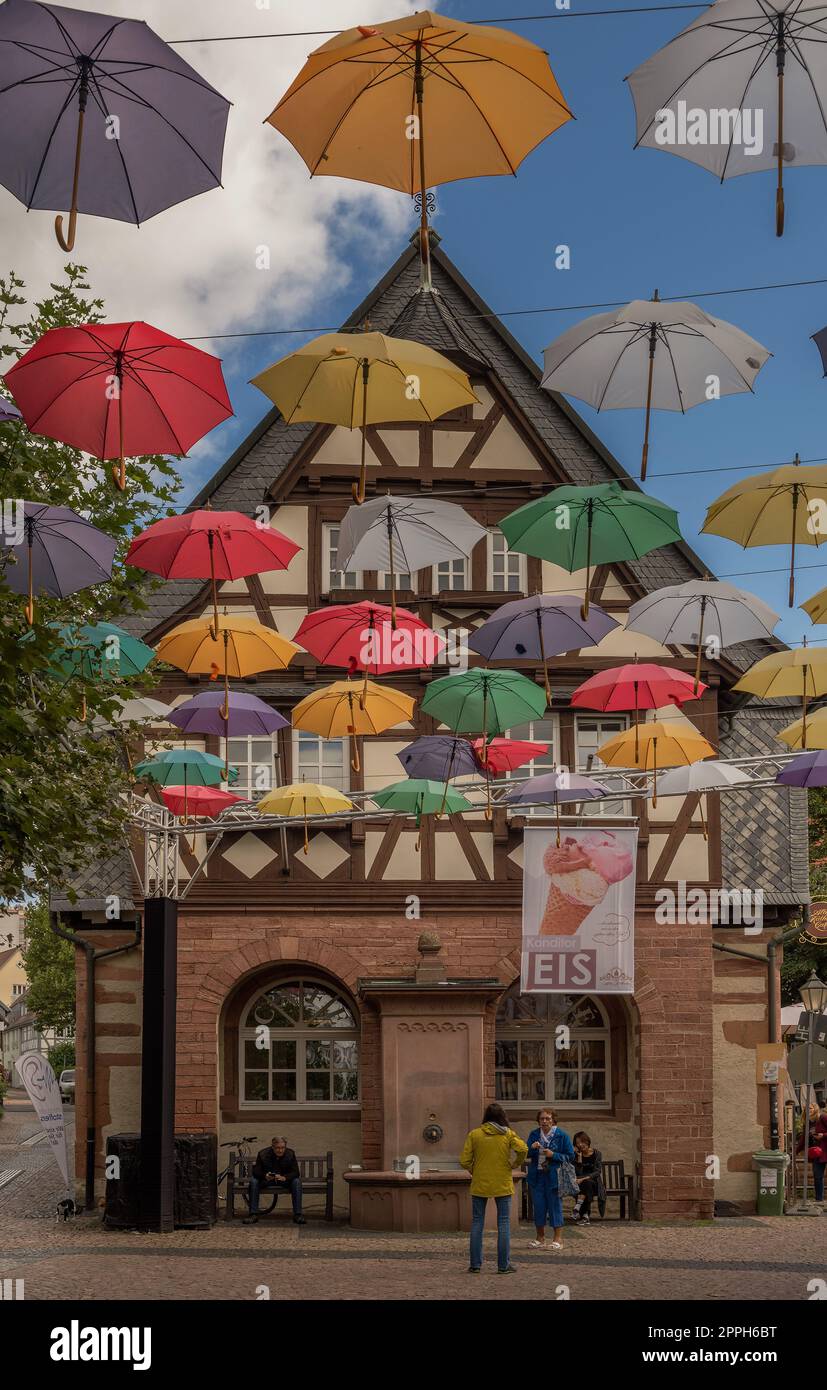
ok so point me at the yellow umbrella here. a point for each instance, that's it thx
(662, 743)
(420, 101)
(304, 799)
(769, 508)
(361, 379)
(816, 607)
(242, 647)
(802, 672)
(812, 735)
(345, 710)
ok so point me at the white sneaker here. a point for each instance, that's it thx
(585, 1221)
(537, 1245)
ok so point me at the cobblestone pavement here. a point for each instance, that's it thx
(759, 1258)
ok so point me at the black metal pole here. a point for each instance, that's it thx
(158, 1064)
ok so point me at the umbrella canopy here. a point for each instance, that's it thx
(770, 508)
(345, 710)
(246, 715)
(421, 797)
(304, 799)
(556, 787)
(810, 770)
(102, 649)
(701, 610)
(107, 117)
(185, 766)
(361, 379)
(652, 354)
(139, 710)
(420, 101)
(813, 734)
(801, 672)
(538, 627)
(400, 535)
(8, 411)
(438, 758)
(198, 801)
(698, 97)
(483, 702)
(114, 389)
(210, 545)
(58, 553)
(636, 686)
(506, 754)
(711, 776)
(577, 527)
(655, 745)
(369, 636)
(816, 607)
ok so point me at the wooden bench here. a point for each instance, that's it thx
(316, 1173)
(617, 1183)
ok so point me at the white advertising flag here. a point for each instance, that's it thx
(40, 1082)
(579, 912)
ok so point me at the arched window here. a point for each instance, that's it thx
(298, 1045)
(552, 1049)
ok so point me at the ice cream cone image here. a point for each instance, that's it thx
(575, 889)
(562, 916)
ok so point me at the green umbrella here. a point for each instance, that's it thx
(183, 767)
(420, 797)
(577, 527)
(102, 649)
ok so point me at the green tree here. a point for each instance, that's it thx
(50, 967)
(802, 957)
(60, 785)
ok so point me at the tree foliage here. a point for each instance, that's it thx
(802, 957)
(60, 783)
(50, 967)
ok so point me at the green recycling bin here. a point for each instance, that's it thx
(770, 1164)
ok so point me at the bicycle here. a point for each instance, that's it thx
(238, 1171)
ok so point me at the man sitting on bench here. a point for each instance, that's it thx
(276, 1169)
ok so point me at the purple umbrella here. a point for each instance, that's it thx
(556, 787)
(439, 757)
(54, 551)
(8, 411)
(539, 627)
(105, 115)
(809, 770)
(203, 714)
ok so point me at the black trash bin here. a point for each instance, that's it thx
(196, 1174)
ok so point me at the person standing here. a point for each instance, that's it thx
(817, 1152)
(490, 1154)
(588, 1167)
(548, 1147)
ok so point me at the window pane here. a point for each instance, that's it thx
(532, 1085)
(345, 1056)
(317, 1054)
(286, 1001)
(318, 1085)
(255, 1085)
(255, 1058)
(505, 1054)
(585, 1014)
(284, 1085)
(284, 1054)
(506, 1085)
(593, 1053)
(316, 1000)
(593, 1085)
(565, 1085)
(345, 1086)
(566, 1057)
(523, 1008)
(533, 1055)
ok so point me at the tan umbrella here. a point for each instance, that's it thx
(802, 672)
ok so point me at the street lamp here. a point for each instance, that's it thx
(813, 994)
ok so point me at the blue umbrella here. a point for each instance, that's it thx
(539, 627)
(554, 788)
(810, 770)
(438, 758)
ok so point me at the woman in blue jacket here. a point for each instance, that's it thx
(548, 1146)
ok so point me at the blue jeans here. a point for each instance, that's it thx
(293, 1186)
(478, 1205)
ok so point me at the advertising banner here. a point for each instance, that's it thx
(579, 911)
(37, 1076)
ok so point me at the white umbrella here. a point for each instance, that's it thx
(138, 710)
(653, 354)
(711, 776)
(743, 88)
(405, 534)
(700, 610)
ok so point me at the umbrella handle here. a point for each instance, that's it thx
(655, 767)
(354, 762)
(214, 623)
(67, 243)
(424, 233)
(119, 469)
(792, 546)
(700, 646)
(30, 604)
(306, 841)
(543, 655)
(653, 340)
(779, 192)
(584, 611)
(358, 490)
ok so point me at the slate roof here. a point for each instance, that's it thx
(757, 832)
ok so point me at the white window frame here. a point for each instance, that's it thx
(300, 1034)
(327, 572)
(437, 587)
(616, 806)
(494, 535)
(247, 766)
(510, 1032)
(301, 736)
(383, 580)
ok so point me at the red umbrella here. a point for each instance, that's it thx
(198, 801)
(119, 388)
(637, 686)
(362, 636)
(504, 754)
(210, 545)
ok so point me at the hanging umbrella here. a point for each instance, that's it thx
(420, 101)
(769, 507)
(801, 672)
(210, 545)
(139, 710)
(94, 650)
(711, 776)
(58, 554)
(660, 744)
(577, 527)
(198, 801)
(304, 799)
(538, 627)
(400, 535)
(438, 758)
(8, 412)
(116, 389)
(345, 710)
(810, 770)
(228, 715)
(812, 735)
(364, 636)
(106, 116)
(197, 769)
(639, 685)
(421, 797)
(697, 97)
(701, 610)
(556, 787)
(652, 354)
(361, 379)
(816, 607)
(506, 754)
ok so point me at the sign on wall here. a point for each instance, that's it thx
(578, 911)
(40, 1082)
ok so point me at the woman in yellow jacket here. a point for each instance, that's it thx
(489, 1154)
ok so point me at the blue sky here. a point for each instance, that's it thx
(634, 220)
